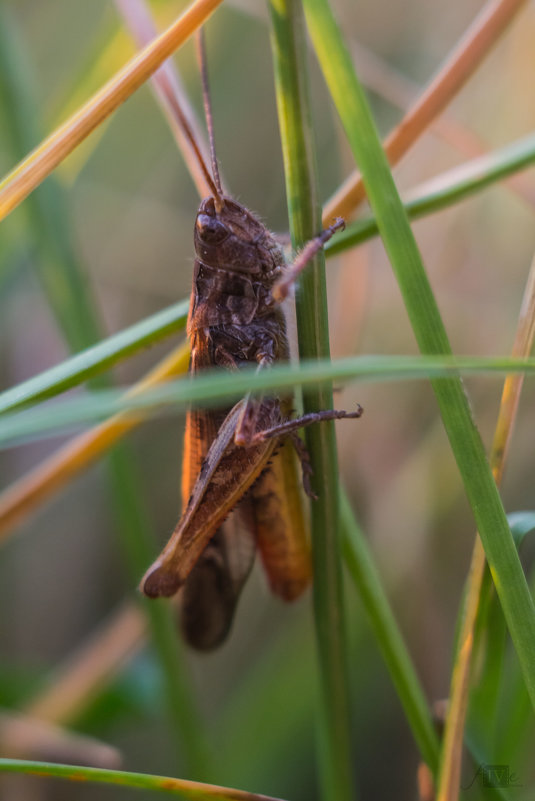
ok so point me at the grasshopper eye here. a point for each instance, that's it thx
(211, 230)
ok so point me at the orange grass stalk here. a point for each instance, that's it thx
(23, 737)
(462, 62)
(450, 773)
(34, 168)
(79, 679)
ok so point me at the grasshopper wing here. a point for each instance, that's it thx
(226, 474)
(210, 594)
(271, 517)
(212, 589)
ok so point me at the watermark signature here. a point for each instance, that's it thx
(494, 776)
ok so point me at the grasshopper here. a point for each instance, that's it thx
(240, 493)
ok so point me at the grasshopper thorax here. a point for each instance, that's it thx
(229, 237)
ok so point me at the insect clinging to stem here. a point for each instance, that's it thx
(240, 493)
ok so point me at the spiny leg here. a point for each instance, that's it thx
(306, 467)
(246, 428)
(246, 433)
(289, 429)
(282, 288)
(290, 426)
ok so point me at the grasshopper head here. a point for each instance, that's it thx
(229, 237)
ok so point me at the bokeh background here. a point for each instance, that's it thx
(127, 207)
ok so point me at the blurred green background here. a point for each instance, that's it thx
(126, 206)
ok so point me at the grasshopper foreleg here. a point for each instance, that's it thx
(282, 288)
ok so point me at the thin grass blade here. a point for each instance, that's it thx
(92, 361)
(362, 569)
(445, 190)
(422, 309)
(195, 791)
(293, 105)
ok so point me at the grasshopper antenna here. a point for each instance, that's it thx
(214, 188)
(188, 132)
(201, 55)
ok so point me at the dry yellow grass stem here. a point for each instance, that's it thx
(398, 90)
(79, 680)
(381, 78)
(453, 735)
(40, 163)
(465, 58)
(33, 489)
(24, 737)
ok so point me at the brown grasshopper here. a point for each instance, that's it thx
(239, 487)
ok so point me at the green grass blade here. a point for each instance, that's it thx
(290, 65)
(456, 185)
(97, 358)
(362, 569)
(214, 387)
(497, 694)
(196, 791)
(350, 101)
